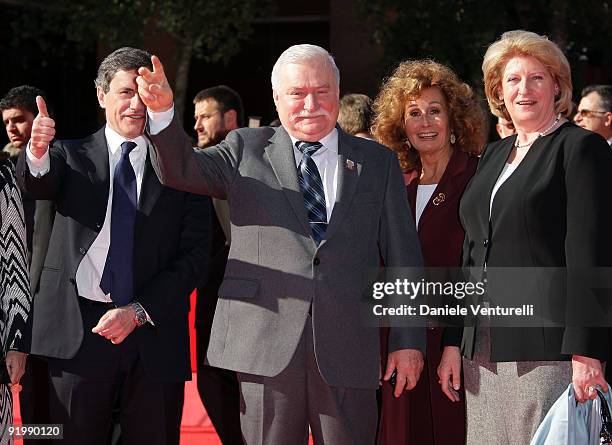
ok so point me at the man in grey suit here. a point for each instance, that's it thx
(312, 209)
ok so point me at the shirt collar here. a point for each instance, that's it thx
(114, 141)
(329, 142)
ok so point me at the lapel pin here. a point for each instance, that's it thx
(350, 165)
(439, 199)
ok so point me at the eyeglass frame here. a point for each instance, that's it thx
(588, 113)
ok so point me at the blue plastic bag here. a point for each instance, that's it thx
(571, 423)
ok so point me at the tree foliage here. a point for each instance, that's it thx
(457, 32)
(208, 29)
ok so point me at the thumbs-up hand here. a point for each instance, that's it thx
(43, 129)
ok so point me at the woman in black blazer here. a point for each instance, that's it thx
(538, 200)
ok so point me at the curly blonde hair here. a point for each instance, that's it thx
(525, 43)
(467, 119)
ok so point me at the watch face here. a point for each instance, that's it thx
(141, 316)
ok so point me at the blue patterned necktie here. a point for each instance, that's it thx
(117, 278)
(312, 189)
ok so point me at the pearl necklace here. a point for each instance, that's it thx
(542, 133)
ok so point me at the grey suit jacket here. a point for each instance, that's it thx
(275, 271)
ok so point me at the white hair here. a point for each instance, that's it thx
(301, 53)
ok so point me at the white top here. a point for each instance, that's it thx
(424, 193)
(503, 176)
(90, 268)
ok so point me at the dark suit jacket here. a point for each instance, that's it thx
(170, 249)
(275, 272)
(553, 212)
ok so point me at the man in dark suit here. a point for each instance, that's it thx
(218, 110)
(312, 209)
(124, 255)
(18, 108)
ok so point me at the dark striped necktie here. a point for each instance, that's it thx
(117, 278)
(311, 186)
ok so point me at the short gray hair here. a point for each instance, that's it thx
(122, 59)
(301, 53)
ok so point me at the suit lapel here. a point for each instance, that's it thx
(447, 187)
(93, 155)
(497, 165)
(150, 188)
(281, 157)
(411, 191)
(350, 164)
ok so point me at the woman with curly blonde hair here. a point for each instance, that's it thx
(437, 128)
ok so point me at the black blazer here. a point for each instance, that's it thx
(553, 211)
(170, 250)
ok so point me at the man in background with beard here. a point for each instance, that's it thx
(218, 110)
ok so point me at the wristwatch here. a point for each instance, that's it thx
(141, 315)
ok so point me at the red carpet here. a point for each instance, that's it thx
(196, 428)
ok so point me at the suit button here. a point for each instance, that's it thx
(82, 251)
(98, 226)
(316, 261)
(72, 281)
(485, 242)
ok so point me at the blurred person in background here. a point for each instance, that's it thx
(355, 116)
(595, 110)
(504, 128)
(218, 110)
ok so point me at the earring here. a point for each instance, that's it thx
(408, 144)
(453, 139)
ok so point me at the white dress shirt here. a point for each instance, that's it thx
(326, 159)
(91, 266)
